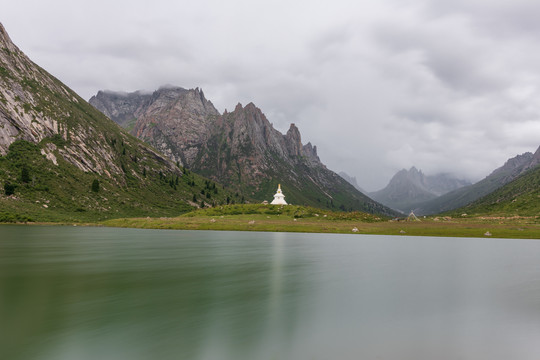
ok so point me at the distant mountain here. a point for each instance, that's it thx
(352, 180)
(240, 149)
(511, 170)
(408, 189)
(61, 159)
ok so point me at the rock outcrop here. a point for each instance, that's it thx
(174, 120)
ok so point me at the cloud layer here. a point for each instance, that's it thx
(446, 86)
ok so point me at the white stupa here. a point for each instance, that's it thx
(279, 198)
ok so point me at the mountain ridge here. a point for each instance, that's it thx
(242, 149)
(512, 169)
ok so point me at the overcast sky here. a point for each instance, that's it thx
(444, 85)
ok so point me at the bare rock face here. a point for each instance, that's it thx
(19, 107)
(120, 107)
(244, 145)
(310, 152)
(174, 120)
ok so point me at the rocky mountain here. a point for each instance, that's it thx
(61, 158)
(408, 189)
(240, 149)
(352, 180)
(511, 170)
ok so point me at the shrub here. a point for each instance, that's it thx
(25, 175)
(9, 189)
(95, 185)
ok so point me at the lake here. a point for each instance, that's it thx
(105, 293)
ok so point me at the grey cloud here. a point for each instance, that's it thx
(458, 62)
(377, 86)
(497, 17)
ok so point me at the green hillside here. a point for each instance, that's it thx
(34, 189)
(511, 170)
(520, 197)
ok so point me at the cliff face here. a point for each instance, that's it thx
(120, 107)
(20, 102)
(174, 120)
(240, 149)
(243, 144)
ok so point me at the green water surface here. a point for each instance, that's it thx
(105, 293)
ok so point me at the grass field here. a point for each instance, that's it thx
(300, 220)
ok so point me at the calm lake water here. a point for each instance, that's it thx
(102, 293)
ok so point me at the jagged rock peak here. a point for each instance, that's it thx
(5, 40)
(517, 164)
(310, 152)
(293, 130)
(294, 141)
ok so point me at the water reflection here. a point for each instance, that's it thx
(86, 293)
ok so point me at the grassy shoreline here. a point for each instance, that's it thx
(468, 228)
(313, 220)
